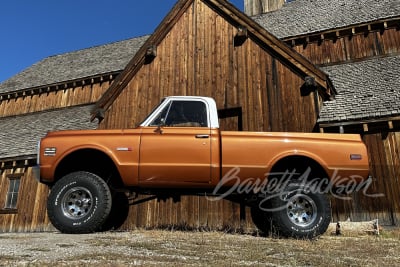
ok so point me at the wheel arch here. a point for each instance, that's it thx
(300, 162)
(91, 160)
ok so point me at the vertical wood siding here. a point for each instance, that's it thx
(53, 100)
(383, 147)
(198, 57)
(31, 203)
(384, 154)
(355, 47)
(30, 214)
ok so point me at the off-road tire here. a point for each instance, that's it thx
(300, 213)
(261, 219)
(119, 212)
(79, 203)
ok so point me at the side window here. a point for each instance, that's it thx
(187, 113)
(183, 114)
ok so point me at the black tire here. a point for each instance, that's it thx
(261, 219)
(79, 203)
(300, 213)
(119, 212)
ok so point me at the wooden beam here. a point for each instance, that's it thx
(379, 25)
(371, 121)
(151, 51)
(241, 36)
(242, 32)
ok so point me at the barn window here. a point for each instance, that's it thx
(12, 194)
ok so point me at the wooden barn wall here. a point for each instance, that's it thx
(353, 47)
(197, 57)
(53, 99)
(384, 154)
(30, 214)
(383, 148)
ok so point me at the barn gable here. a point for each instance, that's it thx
(210, 48)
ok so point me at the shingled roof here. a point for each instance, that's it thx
(19, 134)
(366, 89)
(75, 65)
(308, 16)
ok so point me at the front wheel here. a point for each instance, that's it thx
(79, 203)
(300, 213)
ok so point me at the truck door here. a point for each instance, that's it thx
(175, 148)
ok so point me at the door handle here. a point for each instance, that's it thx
(203, 136)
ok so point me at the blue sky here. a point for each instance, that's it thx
(34, 30)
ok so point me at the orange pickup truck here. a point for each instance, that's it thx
(179, 149)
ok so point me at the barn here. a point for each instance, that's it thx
(323, 71)
(357, 43)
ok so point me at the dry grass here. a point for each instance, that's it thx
(178, 248)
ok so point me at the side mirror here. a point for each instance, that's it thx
(159, 126)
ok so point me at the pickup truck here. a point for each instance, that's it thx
(179, 149)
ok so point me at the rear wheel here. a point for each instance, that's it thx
(80, 202)
(300, 213)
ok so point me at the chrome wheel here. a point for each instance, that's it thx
(301, 210)
(77, 202)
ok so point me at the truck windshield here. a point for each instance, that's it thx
(154, 109)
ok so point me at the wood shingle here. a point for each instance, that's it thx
(75, 65)
(20, 134)
(302, 17)
(366, 89)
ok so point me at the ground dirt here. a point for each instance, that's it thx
(180, 248)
